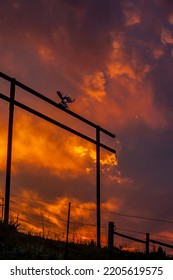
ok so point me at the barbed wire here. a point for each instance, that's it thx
(90, 209)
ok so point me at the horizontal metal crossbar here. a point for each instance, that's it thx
(27, 108)
(48, 100)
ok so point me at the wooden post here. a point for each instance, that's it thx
(98, 184)
(110, 235)
(68, 222)
(9, 152)
(147, 243)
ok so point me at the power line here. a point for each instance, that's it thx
(129, 230)
(47, 225)
(80, 223)
(139, 217)
(39, 200)
(105, 212)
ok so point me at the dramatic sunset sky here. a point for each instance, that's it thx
(115, 57)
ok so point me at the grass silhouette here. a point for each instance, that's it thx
(16, 245)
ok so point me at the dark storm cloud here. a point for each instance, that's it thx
(78, 30)
(163, 82)
(146, 157)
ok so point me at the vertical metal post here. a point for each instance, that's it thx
(9, 152)
(98, 183)
(147, 243)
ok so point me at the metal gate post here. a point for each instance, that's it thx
(98, 183)
(9, 152)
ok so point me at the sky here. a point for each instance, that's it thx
(116, 59)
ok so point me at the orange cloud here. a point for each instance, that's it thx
(170, 18)
(165, 234)
(128, 95)
(132, 15)
(158, 52)
(46, 54)
(3, 151)
(166, 36)
(37, 144)
(94, 85)
(120, 180)
(133, 96)
(121, 64)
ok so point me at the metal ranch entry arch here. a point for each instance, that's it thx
(13, 102)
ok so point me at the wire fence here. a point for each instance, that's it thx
(48, 219)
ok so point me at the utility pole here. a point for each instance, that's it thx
(9, 151)
(98, 184)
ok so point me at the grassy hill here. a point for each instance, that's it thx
(16, 246)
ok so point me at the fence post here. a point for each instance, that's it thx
(147, 243)
(67, 233)
(110, 235)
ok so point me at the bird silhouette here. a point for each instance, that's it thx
(64, 100)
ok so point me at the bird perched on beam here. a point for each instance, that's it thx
(64, 100)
